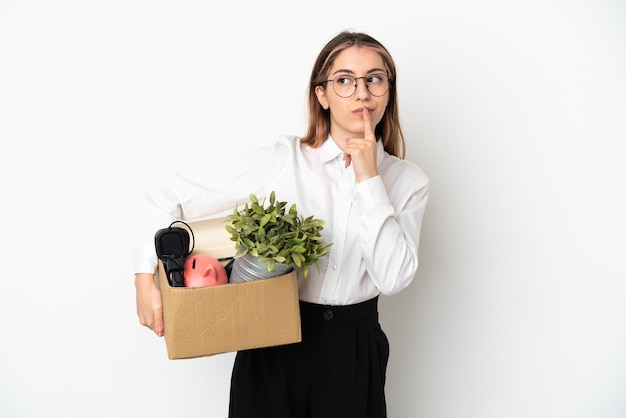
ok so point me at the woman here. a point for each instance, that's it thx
(347, 170)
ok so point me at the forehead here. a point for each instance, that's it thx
(358, 60)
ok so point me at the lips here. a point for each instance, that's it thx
(360, 110)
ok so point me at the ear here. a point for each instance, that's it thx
(320, 92)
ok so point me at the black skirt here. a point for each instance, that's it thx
(337, 371)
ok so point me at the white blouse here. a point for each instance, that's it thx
(374, 225)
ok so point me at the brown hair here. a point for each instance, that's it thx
(319, 119)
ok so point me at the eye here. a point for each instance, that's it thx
(376, 78)
(344, 80)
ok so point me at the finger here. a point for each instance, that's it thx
(347, 159)
(159, 330)
(158, 325)
(368, 130)
(158, 322)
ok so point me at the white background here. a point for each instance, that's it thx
(515, 110)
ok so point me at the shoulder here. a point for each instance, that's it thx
(275, 149)
(283, 143)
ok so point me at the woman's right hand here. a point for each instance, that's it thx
(149, 305)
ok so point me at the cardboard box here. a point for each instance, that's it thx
(218, 319)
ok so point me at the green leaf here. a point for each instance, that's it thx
(257, 209)
(265, 219)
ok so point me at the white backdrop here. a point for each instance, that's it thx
(516, 111)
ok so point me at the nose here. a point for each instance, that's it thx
(362, 93)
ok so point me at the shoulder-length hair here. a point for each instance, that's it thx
(388, 128)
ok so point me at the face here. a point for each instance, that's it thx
(346, 114)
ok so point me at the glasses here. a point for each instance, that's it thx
(345, 85)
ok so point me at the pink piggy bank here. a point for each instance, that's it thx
(203, 270)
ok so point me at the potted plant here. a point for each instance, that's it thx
(272, 236)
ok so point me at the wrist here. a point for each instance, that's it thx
(143, 280)
(367, 176)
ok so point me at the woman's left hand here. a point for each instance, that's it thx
(361, 152)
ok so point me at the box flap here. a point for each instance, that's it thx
(211, 238)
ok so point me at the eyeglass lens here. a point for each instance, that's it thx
(345, 85)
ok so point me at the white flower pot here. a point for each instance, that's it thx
(248, 268)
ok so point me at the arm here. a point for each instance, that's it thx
(389, 236)
(149, 307)
(193, 195)
(390, 211)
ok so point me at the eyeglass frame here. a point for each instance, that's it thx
(389, 83)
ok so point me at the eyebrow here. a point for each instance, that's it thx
(373, 70)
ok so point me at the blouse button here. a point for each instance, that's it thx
(328, 314)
